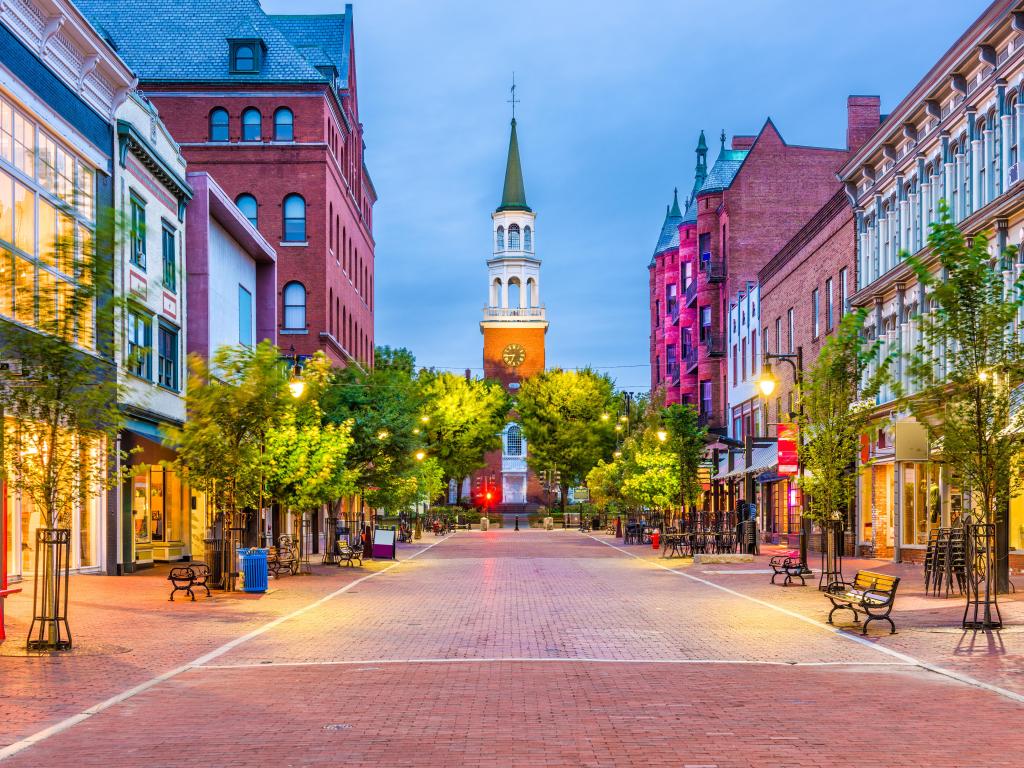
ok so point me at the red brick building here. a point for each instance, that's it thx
(758, 193)
(268, 106)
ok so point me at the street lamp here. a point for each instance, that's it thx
(605, 417)
(295, 383)
(662, 435)
(767, 383)
(420, 455)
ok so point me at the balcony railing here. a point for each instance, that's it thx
(673, 312)
(714, 344)
(714, 270)
(515, 313)
(690, 357)
(691, 293)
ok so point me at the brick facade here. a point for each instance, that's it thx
(323, 164)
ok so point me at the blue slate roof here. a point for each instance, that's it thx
(724, 170)
(669, 237)
(690, 214)
(186, 40)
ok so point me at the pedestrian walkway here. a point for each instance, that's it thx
(523, 648)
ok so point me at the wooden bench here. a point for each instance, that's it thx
(347, 553)
(283, 557)
(870, 593)
(787, 564)
(184, 577)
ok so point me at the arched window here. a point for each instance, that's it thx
(294, 219)
(513, 293)
(219, 124)
(1011, 136)
(284, 125)
(295, 306)
(513, 237)
(528, 239)
(496, 292)
(245, 58)
(531, 293)
(513, 440)
(501, 238)
(247, 205)
(982, 177)
(251, 119)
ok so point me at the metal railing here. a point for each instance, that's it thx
(515, 312)
(691, 293)
(714, 270)
(690, 358)
(714, 344)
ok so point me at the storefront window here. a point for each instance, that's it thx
(922, 502)
(140, 507)
(157, 505)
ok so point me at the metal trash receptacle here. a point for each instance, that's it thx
(254, 569)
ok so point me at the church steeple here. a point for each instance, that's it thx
(513, 196)
(701, 172)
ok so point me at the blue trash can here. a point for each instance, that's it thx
(254, 569)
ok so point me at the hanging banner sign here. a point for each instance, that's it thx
(787, 434)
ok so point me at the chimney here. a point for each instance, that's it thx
(469, 376)
(743, 142)
(863, 116)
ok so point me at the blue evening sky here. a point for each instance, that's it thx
(613, 97)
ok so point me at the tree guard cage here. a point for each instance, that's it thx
(49, 630)
(832, 532)
(982, 609)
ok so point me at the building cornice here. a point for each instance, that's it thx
(57, 33)
(131, 140)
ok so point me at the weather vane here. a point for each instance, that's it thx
(513, 101)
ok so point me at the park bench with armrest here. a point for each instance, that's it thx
(184, 577)
(283, 557)
(870, 593)
(787, 564)
(347, 553)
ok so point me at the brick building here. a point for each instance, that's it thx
(268, 106)
(757, 194)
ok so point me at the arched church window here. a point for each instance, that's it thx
(528, 239)
(513, 237)
(501, 238)
(513, 293)
(514, 441)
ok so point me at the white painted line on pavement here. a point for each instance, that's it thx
(12, 749)
(554, 660)
(906, 658)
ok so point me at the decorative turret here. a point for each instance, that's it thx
(701, 171)
(669, 237)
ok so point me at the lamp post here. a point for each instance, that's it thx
(767, 383)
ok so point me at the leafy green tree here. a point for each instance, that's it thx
(687, 440)
(835, 411)
(963, 371)
(233, 401)
(561, 414)
(462, 420)
(651, 477)
(383, 407)
(605, 484)
(306, 456)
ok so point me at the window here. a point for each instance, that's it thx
(514, 441)
(735, 364)
(244, 317)
(514, 299)
(24, 145)
(140, 345)
(247, 205)
(753, 351)
(169, 261)
(219, 124)
(295, 306)
(513, 237)
(705, 323)
(501, 238)
(167, 358)
(743, 359)
(704, 246)
(670, 299)
(284, 125)
(528, 239)
(705, 398)
(671, 361)
(778, 335)
(251, 121)
(842, 292)
(829, 316)
(137, 238)
(294, 219)
(815, 313)
(789, 321)
(657, 313)
(243, 57)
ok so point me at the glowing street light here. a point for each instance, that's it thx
(767, 381)
(605, 417)
(662, 435)
(383, 435)
(420, 455)
(617, 455)
(295, 383)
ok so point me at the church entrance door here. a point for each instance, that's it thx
(513, 489)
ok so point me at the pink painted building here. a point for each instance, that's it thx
(758, 193)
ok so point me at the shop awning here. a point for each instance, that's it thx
(762, 459)
(146, 429)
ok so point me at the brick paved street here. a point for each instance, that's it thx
(496, 649)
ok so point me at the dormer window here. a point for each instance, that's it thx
(246, 56)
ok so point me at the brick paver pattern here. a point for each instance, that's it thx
(506, 649)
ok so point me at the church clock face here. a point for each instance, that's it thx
(513, 355)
